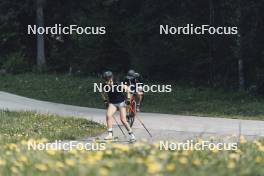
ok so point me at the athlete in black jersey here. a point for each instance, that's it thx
(115, 100)
(136, 89)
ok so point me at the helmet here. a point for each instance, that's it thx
(136, 75)
(130, 74)
(107, 75)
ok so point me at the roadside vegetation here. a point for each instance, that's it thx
(184, 100)
(137, 159)
(17, 126)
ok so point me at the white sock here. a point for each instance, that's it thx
(110, 130)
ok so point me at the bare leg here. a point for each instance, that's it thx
(123, 119)
(109, 115)
(140, 98)
(109, 120)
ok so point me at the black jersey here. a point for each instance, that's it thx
(114, 95)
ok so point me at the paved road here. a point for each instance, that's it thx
(162, 126)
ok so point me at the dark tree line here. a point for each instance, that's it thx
(133, 40)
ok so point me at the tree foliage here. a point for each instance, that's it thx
(133, 40)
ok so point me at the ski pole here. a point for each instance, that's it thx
(143, 125)
(119, 126)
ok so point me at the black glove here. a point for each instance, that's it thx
(128, 101)
(106, 103)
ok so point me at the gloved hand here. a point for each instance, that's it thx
(106, 103)
(127, 101)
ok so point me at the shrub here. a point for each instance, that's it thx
(16, 63)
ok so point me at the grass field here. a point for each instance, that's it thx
(184, 100)
(16, 126)
(134, 160)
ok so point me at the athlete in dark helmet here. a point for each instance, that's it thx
(107, 75)
(133, 78)
(116, 101)
(130, 74)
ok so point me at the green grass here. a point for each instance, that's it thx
(138, 159)
(16, 126)
(183, 100)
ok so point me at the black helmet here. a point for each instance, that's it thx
(107, 75)
(130, 74)
(136, 75)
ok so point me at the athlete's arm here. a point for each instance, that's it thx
(103, 94)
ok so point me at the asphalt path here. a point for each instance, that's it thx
(161, 126)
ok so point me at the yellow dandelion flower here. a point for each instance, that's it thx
(150, 158)
(121, 147)
(2, 162)
(156, 145)
(183, 160)
(239, 151)
(59, 165)
(108, 152)
(92, 159)
(258, 159)
(12, 147)
(231, 165)
(257, 143)
(24, 142)
(261, 148)
(242, 140)
(41, 167)
(196, 162)
(14, 170)
(8, 153)
(70, 162)
(139, 161)
(89, 160)
(214, 150)
(30, 142)
(170, 167)
(153, 167)
(153, 152)
(103, 172)
(98, 155)
(139, 145)
(163, 156)
(51, 152)
(23, 159)
(234, 156)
